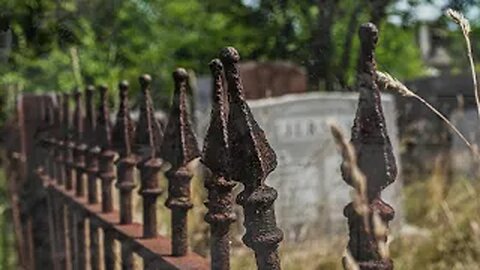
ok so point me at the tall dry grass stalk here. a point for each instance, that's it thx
(463, 23)
(389, 82)
(359, 196)
(76, 66)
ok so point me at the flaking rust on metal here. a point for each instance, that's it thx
(80, 147)
(178, 148)
(122, 137)
(106, 167)
(148, 134)
(216, 157)
(93, 150)
(252, 159)
(375, 159)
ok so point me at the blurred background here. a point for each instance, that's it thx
(287, 46)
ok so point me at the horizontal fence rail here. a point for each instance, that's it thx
(66, 166)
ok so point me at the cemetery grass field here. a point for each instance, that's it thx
(443, 215)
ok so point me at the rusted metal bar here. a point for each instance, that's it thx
(59, 179)
(252, 160)
(93, 151)
(148, 135)
(91, 164)
(106, 169)
(122, 138)
(80, 146)
(68, 173)
(79, 165)
(216, 157)
(68, 142)
(179, 147)
(374, 157)
(95, 263)
(155, 250)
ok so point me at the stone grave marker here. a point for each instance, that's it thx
(311, 191)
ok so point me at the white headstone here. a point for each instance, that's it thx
(311, 191)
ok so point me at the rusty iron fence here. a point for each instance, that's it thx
(58, 158)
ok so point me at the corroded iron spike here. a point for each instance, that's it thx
(369, 134)
(216, 157)
(250, 148)
(90, 123)
(121, 139)
(148, 133)
(78, 117)
(179, 147)
(123, 130)
(103, 122)
(106, 167)
(374, 157)
(215, 149)
(93, 150)
(146, 138)
(252, 159)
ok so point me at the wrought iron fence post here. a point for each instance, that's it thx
(68, 142)
(252, 159)
(179, 147)
(216, 157)
(80, 147)
(79, 165)
(122, 137)
(93, 150)
(148, 134)
(375, 159)
(106, 168)
(68, 174)
(59, 157)
(60, 178)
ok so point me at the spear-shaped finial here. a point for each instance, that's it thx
(179, 147)
(90, 124)
(148, 134)
(252, 160)
(123, 130)
(216, 157)
(248, 144)
(66, 115)
(374, 155)
(78, 116)
(103, 122)
(215, 149)
(369, 133)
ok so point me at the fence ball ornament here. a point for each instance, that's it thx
(375, 159)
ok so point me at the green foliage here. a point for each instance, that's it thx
(59, 45)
